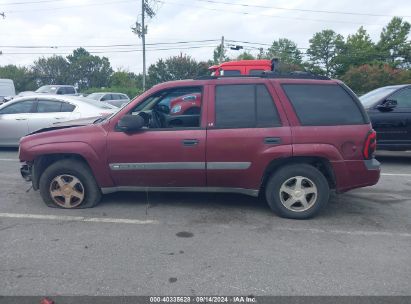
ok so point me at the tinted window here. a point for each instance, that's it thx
(403, 98)
(115, 96)
(70, 90)
(48, 106)
(106, 97)
(256, 72)
(231, 72)
(322, 105)
(18, 107)
(123, 96)
(66, 107)
(244, 106)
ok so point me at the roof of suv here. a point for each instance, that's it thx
(295, 78)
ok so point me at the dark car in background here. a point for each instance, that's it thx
(389, 109)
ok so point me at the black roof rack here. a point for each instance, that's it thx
(268, 74)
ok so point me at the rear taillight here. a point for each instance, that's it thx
(370, 144)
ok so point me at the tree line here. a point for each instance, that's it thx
(357, 60)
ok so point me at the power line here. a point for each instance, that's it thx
(108, 45)
(70, 6)
(299, 10)
(264, 15)
(111, 51)
(32, 2)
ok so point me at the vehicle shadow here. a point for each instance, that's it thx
(394, 157)
(186, 200)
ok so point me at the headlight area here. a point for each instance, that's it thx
(26, 170)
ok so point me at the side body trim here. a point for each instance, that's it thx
(158, 166)
(181, 166)
(251, 192)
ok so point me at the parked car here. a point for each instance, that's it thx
(291, 140)
(186, 104)
(27, 114)
(389, 109)
(57, 89)
(7, 90)
(115, 99)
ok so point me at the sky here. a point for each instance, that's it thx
(58, 26)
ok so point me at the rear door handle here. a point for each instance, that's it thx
(59, 118)
(190, 142)
(272, 140)
(21, 118)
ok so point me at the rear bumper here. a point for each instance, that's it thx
(356, 174)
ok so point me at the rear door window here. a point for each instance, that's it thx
(70, 90)
(323, 105)
(245, 106)
(48, 106)
(231, 72)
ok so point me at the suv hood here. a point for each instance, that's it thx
(68, 124)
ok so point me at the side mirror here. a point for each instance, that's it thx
(131, 123)
(387, 105)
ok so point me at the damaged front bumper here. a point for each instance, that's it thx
(26, 171)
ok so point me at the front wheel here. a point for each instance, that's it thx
(297, 191)
(69, 184)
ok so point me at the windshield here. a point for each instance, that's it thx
(369, 99)
(95, 96)
(47, 89)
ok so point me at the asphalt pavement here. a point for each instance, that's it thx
(206, 244)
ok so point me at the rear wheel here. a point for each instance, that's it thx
(297, 191)
(69, 184)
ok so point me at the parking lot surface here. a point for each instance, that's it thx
(206, 244)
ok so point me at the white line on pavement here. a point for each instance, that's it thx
(140, 222)
(9, 159)
(77, 218)
(357, 232)
(396, 174)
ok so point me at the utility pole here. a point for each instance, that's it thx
(222, 50)
(143, 39)
(140, 30)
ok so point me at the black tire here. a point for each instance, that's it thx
(312, 177)
(81, 171)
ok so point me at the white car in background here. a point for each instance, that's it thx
(7, 90)
(24, 115)
(116, 99)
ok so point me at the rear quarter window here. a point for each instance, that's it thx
(323, 105)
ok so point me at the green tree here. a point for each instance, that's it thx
(52, 70)
(324, 48)
(122, 78)
(220, 52)
(286, 51)
(245, 56)
(23, 78)
(87, 71)
(175, 68)
(394, 44)
(367, 77)
(357, 50)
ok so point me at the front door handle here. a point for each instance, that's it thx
(21, 118)
(59, 118)
(190, 142)
(272, 140)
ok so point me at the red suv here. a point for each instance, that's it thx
(291, 139)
